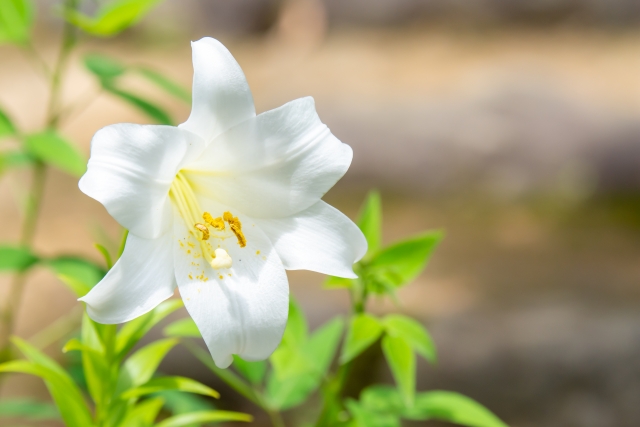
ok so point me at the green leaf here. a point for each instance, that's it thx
(313, 359)
(382, 399)
(6, 125)
(402, 262)
(452, 407)
(402, 362)
(16, 17)
(103, 67)
(112, 17)
(53, 149)
(94, 365)
(14, 159)
(364, 330)
(365, 418)
(143, 414)
(155, 385)
(370, 221)
(337, 283)
(178, 402)
(77, 273)
(168, 85)
(65, 393)
(204, 417)
(413, 333)
(134, 330)
(105, 254)
(140, 367)
(183, 328)
(154, 112)
(253, 371)
(28, 409)
(16, 258)
(296, 331)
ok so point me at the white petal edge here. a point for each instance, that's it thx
(320, 238)
(141, 279)
(131, 169)
(245, 313)
(274, 165)
(221, 94)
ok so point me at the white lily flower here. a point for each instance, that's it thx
(220, 206)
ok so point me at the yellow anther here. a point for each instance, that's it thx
(236, 227)
(203, 229)
(217, 223)
(221, 259)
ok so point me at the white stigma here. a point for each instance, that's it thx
(222, 259)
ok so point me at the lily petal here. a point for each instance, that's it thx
(131, 170)
(239, 310)
(221, 94)
(279, 163)
(320, 238)
(140, 280)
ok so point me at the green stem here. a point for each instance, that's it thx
(275, 417)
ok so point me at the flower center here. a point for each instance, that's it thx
(202, 225)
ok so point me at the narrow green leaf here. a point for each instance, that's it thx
(252, 371)
(105, 254)
(168, 85)
(16, 18)
(413, 333)
(454, 408)
(337, 283)
(366, 418)
(134, 330)
(402, 362)
(155, 385)
(370, 221)
(402, 262)
(112, 18)
(226, 375)
(183, 328)
(153, 111)
(296, 331)
(204, 417)
(289, 393)
(382, 399)
(94, 365)
(16, 258)
(323, 344)
(140, 367)
(103, 67)
(143, 414)
(79, 274)
(28, 409)
(13, 160)
(178, 402)
(53, 149)
(364, 330)
(7, 127)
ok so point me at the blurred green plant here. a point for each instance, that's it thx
(323, 360)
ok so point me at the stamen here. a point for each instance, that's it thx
(216, 223)
(204, 229)
(236, 227)
(221, 259)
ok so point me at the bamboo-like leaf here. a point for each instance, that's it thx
(402, 362)
(155, 385)
(364, 330)
(51, 148)
(204, 417)
(140, 367)
(413, 333)
(370, 222)
(454, 408)
(112, 18)
(16, 258)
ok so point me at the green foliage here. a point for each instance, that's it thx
(112, 17)
(109, 70)
(203, 417)
(14, 159)
(28, 409)
(16, 258)
(413, 333)
(402, 362)
(183, 328)
(77, 273)
(403, 261)
(52, 149)
(364, 330)
(252, 371)
(6, 125)
(370, 222)
(160, 384)
(362, 417)
(448, 406)
(16, 18)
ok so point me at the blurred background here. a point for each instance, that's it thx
(513, 125)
